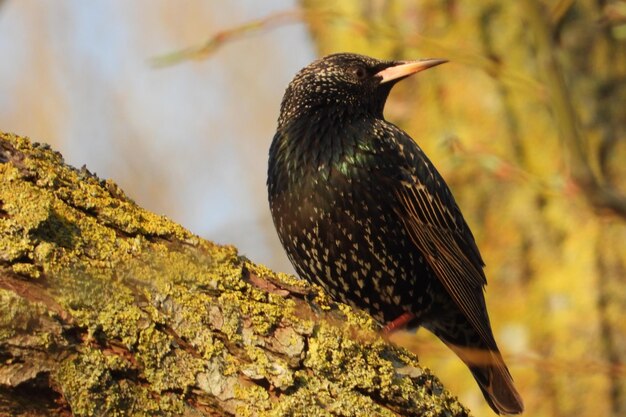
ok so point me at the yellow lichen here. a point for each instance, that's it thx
(25, 269)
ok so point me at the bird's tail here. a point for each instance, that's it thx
(493, 378)
(487, 367)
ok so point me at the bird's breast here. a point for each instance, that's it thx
(336, 221)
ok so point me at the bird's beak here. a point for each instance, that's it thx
(403, 69)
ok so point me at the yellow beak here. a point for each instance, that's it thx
(405, 68)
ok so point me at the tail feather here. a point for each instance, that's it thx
(494, 380)
(487, 366)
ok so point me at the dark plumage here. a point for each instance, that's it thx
(362, 211)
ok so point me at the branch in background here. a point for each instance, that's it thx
(600, 195)
(486, 36)
(228, 35)
(609, 269)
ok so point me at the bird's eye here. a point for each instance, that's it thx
(359, 72)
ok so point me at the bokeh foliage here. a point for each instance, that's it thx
(527, 123)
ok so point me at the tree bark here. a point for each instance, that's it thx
(108, 309)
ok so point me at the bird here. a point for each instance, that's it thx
(362, 211)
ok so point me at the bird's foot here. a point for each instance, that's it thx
(398, 323)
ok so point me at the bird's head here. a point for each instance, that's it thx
(346, 83)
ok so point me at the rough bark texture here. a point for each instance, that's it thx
(107, 309)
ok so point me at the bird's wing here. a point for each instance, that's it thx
(437, 228)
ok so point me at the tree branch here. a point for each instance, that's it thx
(108, 309)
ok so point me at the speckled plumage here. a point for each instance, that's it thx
(362, 211)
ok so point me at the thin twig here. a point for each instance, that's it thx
(227, 35)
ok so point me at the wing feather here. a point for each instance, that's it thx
(438, 230)
(444, 250)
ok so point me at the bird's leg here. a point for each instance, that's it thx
(398, 323)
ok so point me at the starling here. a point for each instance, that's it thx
(362, 211)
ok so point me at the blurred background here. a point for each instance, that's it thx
(527, 123)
